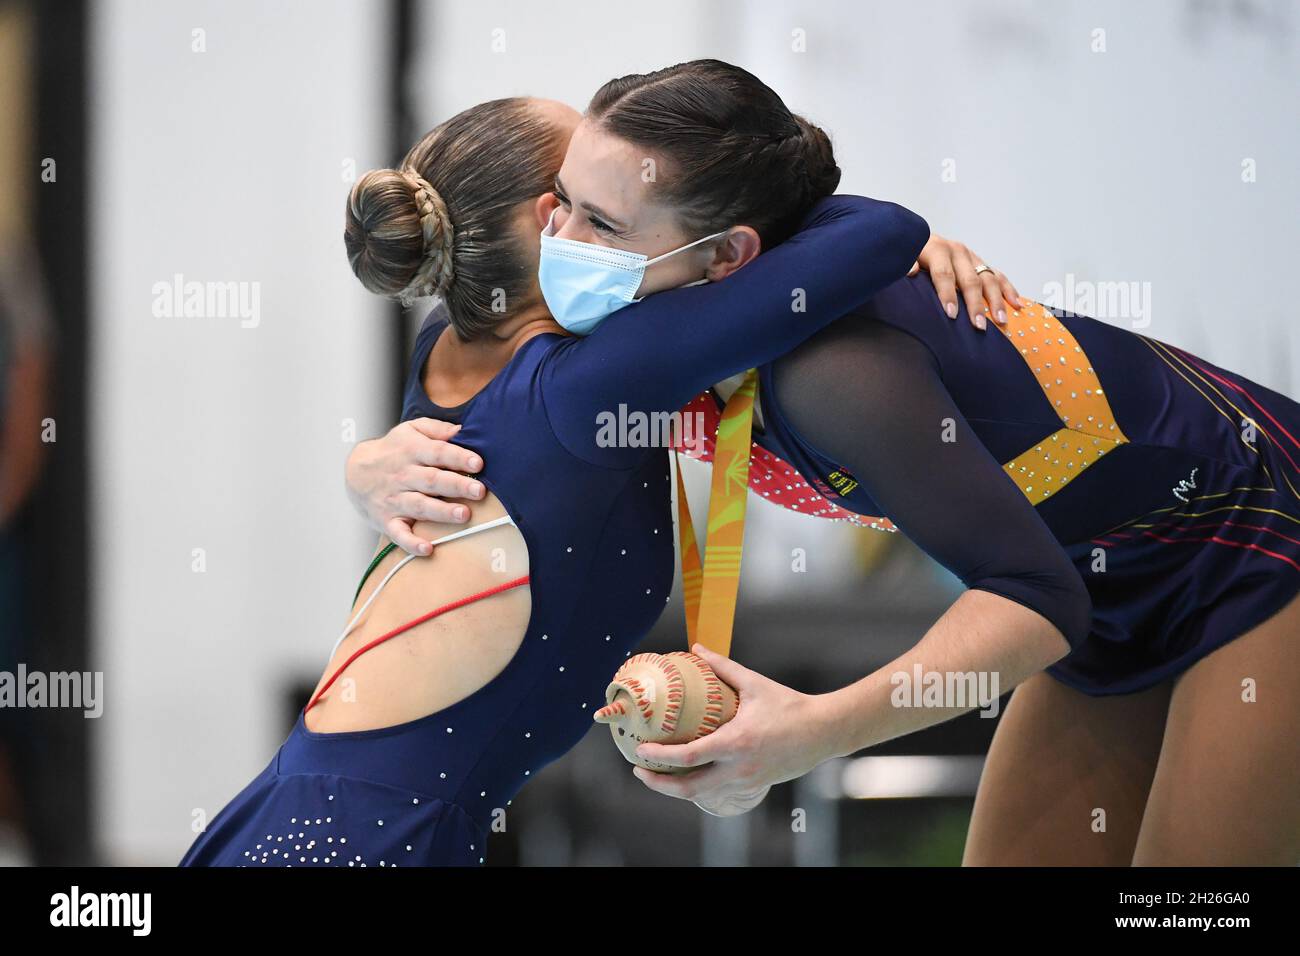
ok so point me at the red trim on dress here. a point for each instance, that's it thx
(410, 624)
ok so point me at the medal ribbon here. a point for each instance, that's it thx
(709, 588)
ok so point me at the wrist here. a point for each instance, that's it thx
(834, 726)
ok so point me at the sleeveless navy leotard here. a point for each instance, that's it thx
(995, 454)
(599, 532)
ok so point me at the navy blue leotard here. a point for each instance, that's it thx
(599, 532)
(997, 455)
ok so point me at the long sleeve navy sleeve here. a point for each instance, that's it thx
(894, 425)
(655, 355)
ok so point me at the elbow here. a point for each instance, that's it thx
(908, 234)
(884, 233)
(917, 232)
(1059, 596)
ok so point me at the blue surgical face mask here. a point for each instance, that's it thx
(583, 282)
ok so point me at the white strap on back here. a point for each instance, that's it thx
(494, 523)
(473, 529)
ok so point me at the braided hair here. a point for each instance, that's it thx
(435, 273)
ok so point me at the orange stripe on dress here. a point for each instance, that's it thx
(1072, 386)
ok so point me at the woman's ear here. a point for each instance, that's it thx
(738, 247)
(546, 202)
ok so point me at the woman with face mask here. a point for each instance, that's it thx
(461, 674)
(1123, 513)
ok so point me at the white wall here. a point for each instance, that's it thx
(222, 165)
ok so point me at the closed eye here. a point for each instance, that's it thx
(596, 222)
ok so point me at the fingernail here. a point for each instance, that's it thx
(1002, 316)
(980, 323)
(461, 513)
(951, 309)
(475, 463)
(476, 489)
(426, 548)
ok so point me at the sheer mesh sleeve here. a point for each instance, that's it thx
(870, 396)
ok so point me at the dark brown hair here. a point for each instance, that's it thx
(734, 153)
(442, 223)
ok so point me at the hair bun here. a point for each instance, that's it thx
(818, 156)
(399, 235)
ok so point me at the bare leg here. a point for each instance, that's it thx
(1063, 766)
(1227, 786)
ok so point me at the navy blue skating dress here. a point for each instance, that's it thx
(599, 532)
(1142, 499)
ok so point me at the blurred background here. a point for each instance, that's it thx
(172, 515)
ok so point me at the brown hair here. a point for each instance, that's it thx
(442, 223)
(735, 154)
